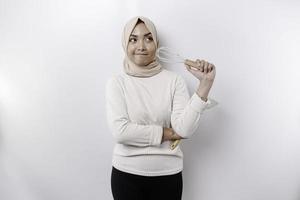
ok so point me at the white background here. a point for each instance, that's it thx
(55, 58)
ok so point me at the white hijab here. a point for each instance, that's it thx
(131, 68)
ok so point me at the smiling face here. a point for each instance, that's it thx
(141, 48)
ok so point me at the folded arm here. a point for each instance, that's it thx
(124, 130)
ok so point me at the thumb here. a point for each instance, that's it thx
(191, 63)
(188, 67)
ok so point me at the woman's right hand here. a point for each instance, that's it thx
(170, 134)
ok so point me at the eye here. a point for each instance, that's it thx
(132, 40)
(149, 38)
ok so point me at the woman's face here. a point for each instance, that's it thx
(141, 47)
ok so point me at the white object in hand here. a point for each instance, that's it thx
(166, 55)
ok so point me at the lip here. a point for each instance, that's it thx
(139, 54)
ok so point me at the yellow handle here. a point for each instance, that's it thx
(192, 64)
(174, 144)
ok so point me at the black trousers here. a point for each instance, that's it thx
(126, 186)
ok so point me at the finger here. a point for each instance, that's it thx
(202, 65)
(205, 67)
(198, 64)
(191, 63)
(213, 68)
(210, 67)
(191, 68)
(188, 67)
(202, 62)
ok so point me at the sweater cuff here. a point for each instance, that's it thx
(156, 135)
(198, 104)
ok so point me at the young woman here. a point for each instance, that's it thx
(148, 107)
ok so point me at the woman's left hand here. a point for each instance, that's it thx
(204, 70)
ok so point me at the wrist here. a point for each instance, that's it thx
(204, 99)
(206, 84)
(202, 93)
(202, 96)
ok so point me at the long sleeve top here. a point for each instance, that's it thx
(137, 110)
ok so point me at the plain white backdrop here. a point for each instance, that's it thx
(55, 58)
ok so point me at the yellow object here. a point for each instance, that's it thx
(175, 144)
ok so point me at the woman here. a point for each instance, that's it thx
(148, 107)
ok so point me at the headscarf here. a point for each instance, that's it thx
(130, 67)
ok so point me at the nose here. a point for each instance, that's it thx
(141, 46)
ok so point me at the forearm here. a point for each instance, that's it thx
(203, 89)
(186, 112)
(134, 134)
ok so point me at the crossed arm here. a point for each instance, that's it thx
(185, 116)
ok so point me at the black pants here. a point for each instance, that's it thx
(126, 186)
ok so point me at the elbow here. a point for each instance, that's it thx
(120, 137)
(185, 130)
(119, 132)
(184, 133)
(117, 136)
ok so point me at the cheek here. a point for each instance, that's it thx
(130, 50)
(151, 48)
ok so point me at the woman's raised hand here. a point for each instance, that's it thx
(201, 69)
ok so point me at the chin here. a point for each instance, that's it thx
(141, 62)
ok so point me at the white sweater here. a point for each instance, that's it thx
(138, 109)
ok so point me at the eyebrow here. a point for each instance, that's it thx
(137, 36)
